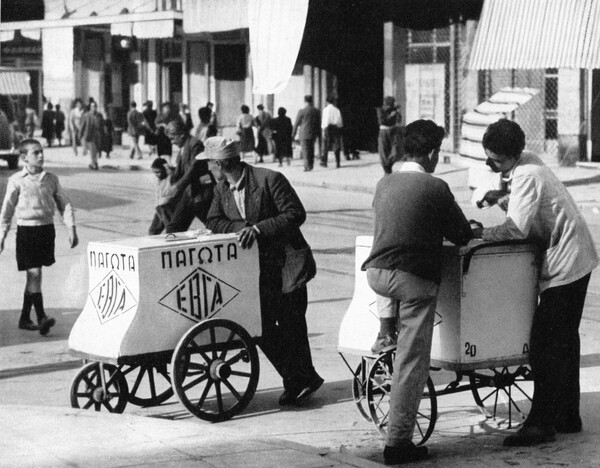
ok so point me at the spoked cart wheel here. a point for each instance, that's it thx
(378, 399)
(359, 388)
(215, 369)
(502, 389)
(149, 383)
(99, 385)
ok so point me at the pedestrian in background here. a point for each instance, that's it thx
(205, 128)
(264, 208)
(92, 128)
(164, 147)
(59, 124)
(213, 115)
(74, 124)
(281, 127)
(262, 121)
(245, 122)
(32, 194)
(390, 134)
(135, 129)
(332, 125)
(414, 212)
(539, 207)
(186, 116)
(48, 118)
(106, 144)
(308, 129)
(31, 121)
(150, 116)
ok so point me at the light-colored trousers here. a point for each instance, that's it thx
(417, 300)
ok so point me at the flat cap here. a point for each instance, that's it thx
(219, 148)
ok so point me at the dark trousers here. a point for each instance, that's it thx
(285, 335)
(185, 212)
(554, 353)
(162, 217)
(307, 148)
(332, 140)
(390, 148)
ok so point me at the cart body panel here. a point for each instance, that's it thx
(145, 293)
(485, 306)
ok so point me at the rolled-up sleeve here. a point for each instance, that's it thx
(524, 203)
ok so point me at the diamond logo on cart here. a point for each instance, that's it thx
(111, 297)
(199, 296)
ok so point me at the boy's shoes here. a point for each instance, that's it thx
(307, 391)
(29, 325)
(385, 343)
(46, 324)
(570, 425)
(530, 435)
(404, 454)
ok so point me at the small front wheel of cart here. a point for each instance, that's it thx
(98, 386)
(215, 369)
(500, 392)
(378, 385)
(151, 383)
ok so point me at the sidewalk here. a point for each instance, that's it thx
(61, 436)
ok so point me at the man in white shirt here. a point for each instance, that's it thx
(539, 207)
(331, 124)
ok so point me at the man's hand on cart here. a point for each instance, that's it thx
(247, 236)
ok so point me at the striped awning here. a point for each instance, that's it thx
(497, 107)
(14, 82)
(537, 34)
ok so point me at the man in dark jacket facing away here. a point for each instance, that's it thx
(308, 127)
(260, 205)
(414, 211)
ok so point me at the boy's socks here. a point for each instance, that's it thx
(387, 325)
(26, 310)
(38, 303)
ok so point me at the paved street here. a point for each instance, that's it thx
(117, 201)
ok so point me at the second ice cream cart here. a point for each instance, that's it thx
(485, 307)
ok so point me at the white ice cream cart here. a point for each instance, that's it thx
(486, 302)
(185, 300)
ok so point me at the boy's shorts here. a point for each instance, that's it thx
(35, 246)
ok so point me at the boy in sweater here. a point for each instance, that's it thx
(33, 194)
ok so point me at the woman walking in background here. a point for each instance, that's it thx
(281, 128)
(245, 132)
(74, 124)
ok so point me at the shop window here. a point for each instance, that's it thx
(230, 62)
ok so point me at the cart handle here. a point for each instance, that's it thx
(472, 250)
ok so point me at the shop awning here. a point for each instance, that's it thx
(14, 82)
(537, 34)
(154, 24)
(497, 107)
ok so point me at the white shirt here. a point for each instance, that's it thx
(411, 166)
(541, 208)
(239, 195)
(331, 116)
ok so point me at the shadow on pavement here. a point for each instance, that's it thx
(11, 335)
